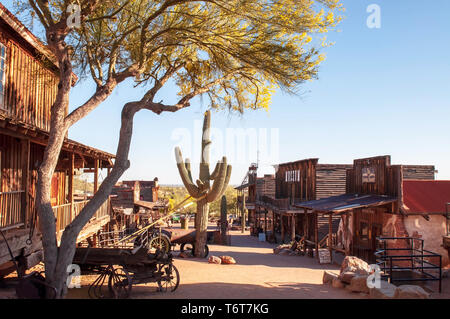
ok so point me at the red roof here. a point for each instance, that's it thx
(426, 196)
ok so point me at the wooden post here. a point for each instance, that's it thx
(25, 166)
(243, 212)
(293, 227)
(70, 190)
(316, 234)
(330, 236)
(265, 222)
(96, 176)
(282, 227)
(305, 228)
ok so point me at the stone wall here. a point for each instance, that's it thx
(431, 232)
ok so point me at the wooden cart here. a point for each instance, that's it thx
(119, 269)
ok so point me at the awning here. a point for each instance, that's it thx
(243, 186)
(346, 202)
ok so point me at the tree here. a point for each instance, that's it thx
(235, 52)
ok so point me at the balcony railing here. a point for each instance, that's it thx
(11, 209)
(65, 214)
(279, 203)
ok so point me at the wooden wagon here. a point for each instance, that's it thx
(119, 269)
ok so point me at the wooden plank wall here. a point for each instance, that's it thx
(380, 164)
(422, 172)
(11, 157)
(297, 180)
(331, 180)
(31, 85)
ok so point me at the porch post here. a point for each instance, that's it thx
(330, 236)
(293, 227)
(70, 190)
(316, 234)
(305, 229)
(282, 227)
(25, 166)
(96, 176)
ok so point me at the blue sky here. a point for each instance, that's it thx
(380, 91)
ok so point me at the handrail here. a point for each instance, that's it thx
(416, 257)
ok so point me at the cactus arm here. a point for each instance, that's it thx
(215, 173)
(218, 183)
(187, 164)
(227, 180)
(187, 181)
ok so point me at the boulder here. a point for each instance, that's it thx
(411, 292)
(386, 291)
(214, 260)
(337, 283)
(356, 265)
(228, 260)
(328, 277)
(346, 277)
(358, 284)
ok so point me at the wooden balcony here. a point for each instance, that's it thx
(66, 213)
(11, 215)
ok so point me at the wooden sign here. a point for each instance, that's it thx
(368, 175)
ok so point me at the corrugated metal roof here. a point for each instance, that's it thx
(346, 202)
(423, 197)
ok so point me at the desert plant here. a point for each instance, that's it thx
(203, 192)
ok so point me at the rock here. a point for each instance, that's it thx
(386, 291)
(228, 260)
(336, 283)
(346, 277)
(328, 277)
(358, 284)
(214, 260)
(356, 265)
(183, 255)
(411, 292)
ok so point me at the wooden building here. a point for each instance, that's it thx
(28, 86)
(134, 202)
(371, 207)
(298, 181)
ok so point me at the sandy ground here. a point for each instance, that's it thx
(258, 274)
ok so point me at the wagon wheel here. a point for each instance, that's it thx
(96, 288)
(161, 243)
(190, 247)
(119, 283)
(170, 278)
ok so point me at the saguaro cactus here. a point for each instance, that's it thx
(202, 190)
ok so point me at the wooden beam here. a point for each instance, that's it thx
(316, 234)
(70, 190)
(293, 227)
(282, 228)
(25, 166)
(330, 236)
(96, 176)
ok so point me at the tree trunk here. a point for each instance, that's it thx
(201, 226)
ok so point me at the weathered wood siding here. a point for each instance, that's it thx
(331, 180)
(422, 172)
(297, 180)
(30, 83)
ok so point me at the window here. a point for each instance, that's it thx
(2, 75)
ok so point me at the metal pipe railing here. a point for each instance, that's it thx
(391, 264)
